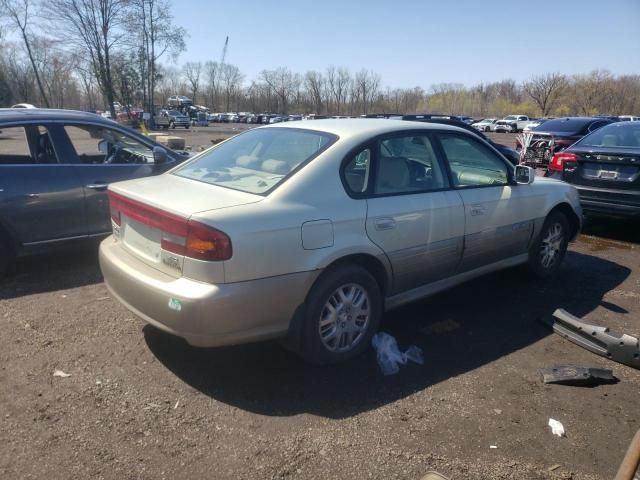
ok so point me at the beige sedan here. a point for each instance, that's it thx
(310, 231)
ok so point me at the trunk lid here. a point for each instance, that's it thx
(150, 214)
(618, 169)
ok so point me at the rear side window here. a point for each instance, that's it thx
(565, 125)
(259, 160)
(26, 145)
(473, 164)
(625, 135)
(356, 171)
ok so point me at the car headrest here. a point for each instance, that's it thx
(276, 166)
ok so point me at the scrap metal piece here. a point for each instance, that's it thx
(580, 376)
(624, 349)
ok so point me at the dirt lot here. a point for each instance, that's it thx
(143, 405)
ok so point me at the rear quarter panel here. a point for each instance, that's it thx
(267, 237)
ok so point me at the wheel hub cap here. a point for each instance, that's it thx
(551, 245)
(344, 318)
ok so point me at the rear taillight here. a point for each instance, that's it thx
(179, 235)
(559, 161)
(201, 242)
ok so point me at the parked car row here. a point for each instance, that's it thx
(522, 123)
(358, 216)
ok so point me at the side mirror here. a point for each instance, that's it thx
(524, 175)
(159, 156)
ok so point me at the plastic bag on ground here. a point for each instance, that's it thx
(389, 355)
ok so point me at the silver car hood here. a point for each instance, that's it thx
(182, 196)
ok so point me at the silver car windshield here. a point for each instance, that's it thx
(257, 161)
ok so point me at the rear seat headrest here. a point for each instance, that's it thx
(276, 166)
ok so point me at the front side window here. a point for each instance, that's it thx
(26, 145)
(407, 164)
(257, 161)
(472, 164)
(98, 145)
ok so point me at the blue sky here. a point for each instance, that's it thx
(417, 43)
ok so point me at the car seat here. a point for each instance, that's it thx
(393, 175)
(45, 153)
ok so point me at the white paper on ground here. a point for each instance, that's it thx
(556, 427)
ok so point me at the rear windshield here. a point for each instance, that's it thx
(566, 125)
(257, 161)
(625, 135)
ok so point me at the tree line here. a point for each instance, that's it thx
(88, 54)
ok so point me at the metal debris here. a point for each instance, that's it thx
(624, 349)
(579, 376)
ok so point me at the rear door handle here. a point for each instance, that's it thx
(97, 186)
(384, 223)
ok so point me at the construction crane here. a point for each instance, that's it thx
(222, 58)
(224, 51)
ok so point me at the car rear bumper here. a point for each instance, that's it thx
(610, 202)
(205, 315)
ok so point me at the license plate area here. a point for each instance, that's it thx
(610, 172)
(143, 240)
(607, 175)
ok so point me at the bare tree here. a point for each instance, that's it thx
(545, 90)
(231, 79)
(366, 84)
(338, 81)
(283, 83)
(17, 12)
(192, 72)
(212, 75)
(315, 85)
(94, 26)
(157, 36)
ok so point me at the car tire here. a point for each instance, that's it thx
(334, 328)
(550, 247)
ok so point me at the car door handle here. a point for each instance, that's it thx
(98, 186)
(32, 195)
(384, 223)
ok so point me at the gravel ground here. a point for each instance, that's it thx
(140, 404)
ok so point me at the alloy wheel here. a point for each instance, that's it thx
(551, 245)
(344, 318)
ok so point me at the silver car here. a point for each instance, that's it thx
(311, 231)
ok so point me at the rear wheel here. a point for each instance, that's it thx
(548, 251)
(341, 315)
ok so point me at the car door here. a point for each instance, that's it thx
(411, 213)
(41, 200)
(499, 215)
(106, 155)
